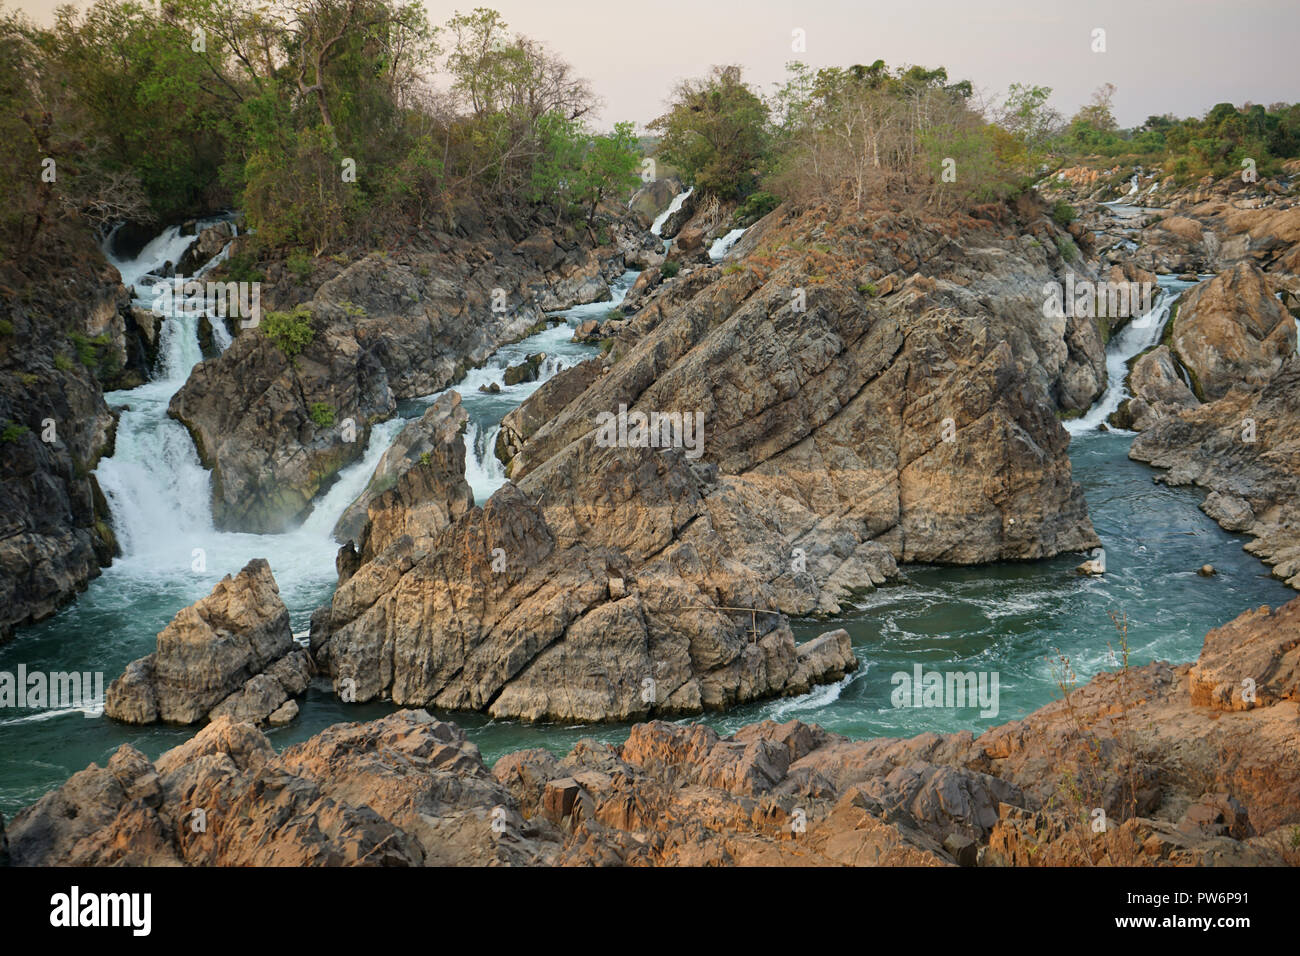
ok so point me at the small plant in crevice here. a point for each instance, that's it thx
(322, 413)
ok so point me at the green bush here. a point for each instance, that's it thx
(670, 269)
(6, 327)
(1063, 213)
(300, 264)
(757, 206)
(322, 413)
(240, 268)
(62, 362)
(13, 431)
(868, 289)
(290, 332)
(1066, 247)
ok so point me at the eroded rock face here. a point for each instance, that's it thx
(1245, 448)
(55, 531)
(836, 440)
(1182, 773)
(230, 653)
(275, 429)
(1232, 329)
(401, 498)
(1158, 391)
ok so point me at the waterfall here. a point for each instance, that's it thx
(483, 470)
(657, 226)
(722, 246)
(1140, 334)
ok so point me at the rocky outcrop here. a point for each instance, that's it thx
(57, 326)
(521, 422)
(1173, 227)
(824, 433)
(652, 199)
(419, 484)
(275, 428)
(1157, 765)
(1158, 391)
(229, 654)
(1245, 449)
(1232, 329)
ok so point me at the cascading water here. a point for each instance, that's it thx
(722, 246)
(657, 226)
(1012, 617)
(483, 470)
(1141, 333)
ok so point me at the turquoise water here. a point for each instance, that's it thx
(1013, 619)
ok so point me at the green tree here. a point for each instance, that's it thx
(715, 132)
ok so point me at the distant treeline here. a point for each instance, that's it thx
(1219, 144)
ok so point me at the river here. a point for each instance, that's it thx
(1012, 619)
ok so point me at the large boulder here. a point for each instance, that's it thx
(1232, 329)
(1158, 391)
(210, 654)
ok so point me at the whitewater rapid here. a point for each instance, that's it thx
(159, 493)
(1141, 333)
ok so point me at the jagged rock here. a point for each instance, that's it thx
(1158, 391)
(1252, 661)
(588, 331)
(526, 371)
(556, 392)
(1232, 513)
(1175, 782)
(213, 655)
(55, 532)
(837, 441)
(1246, 448)
(274, 430)
(284, 715)
(1232, 329)
(432, 442)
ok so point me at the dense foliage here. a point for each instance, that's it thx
(856, 134)
(328, 121)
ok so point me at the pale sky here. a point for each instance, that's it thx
(1177, 56)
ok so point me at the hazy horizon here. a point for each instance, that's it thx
(1160, 57)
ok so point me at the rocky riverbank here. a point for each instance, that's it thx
(853, 417)
(276, 423)
(1216, 402)
(1157, 765)
(66, 334)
